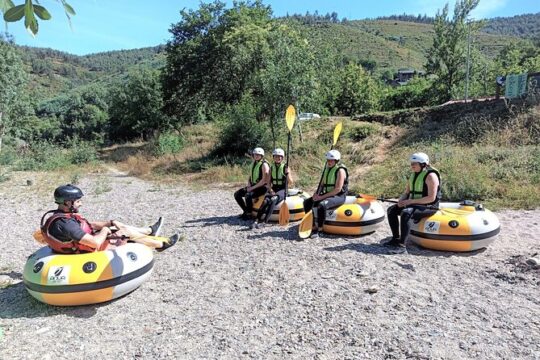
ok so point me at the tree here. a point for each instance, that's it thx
(29, 10)
(447, 56)
(360, 93)
(136, 104)
(80, 115)
(287, 75)
(12, 85)
(213, 56)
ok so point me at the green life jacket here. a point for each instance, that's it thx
(330, 177)
(256, 171)
(278, 175)
(418, 187)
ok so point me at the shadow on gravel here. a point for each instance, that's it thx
(216, 220)
(290, 234)
(416, 250)
(13, 274)
(375, 249)
(16, 302)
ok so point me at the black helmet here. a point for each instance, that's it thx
(66, 193)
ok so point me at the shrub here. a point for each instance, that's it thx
(167, 143)
(82, 152)
(416, 93)
(8, 156)
(359, 133)
(240, 131)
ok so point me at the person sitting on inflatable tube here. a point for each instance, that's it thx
(331, 192)
(423, 188)
(276, 192)
(68, 232)
(258, 180)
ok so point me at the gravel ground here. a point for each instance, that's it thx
(230, 292)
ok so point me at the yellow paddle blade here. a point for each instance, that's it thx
(290, 116)
(337, 131)
(284, 214)
(367, 197)
(306, 225)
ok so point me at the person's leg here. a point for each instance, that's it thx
(131, 229)
(412, 213)
(254, 194)
(393, 213)
(328, 204)
(274, 200)
(308, 204)
(239, 197)
(134, 235)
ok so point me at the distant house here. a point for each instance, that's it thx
(404, 75)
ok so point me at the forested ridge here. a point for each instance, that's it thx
(394, 41)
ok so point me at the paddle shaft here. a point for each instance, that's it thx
(396, 201)
(322, 174)
(287, 166)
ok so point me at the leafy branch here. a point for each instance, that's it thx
(29, 11)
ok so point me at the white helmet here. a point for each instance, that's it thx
(420, 157)
(278, 152)
(333, 155)
(258, 151)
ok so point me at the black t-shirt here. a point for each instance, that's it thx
(66, 230)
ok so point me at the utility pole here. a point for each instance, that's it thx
(468, 60)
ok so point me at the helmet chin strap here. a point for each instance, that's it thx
(72, 208)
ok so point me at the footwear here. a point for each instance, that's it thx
(400, 249)
(244, 216)
(314, 235)
(170, 242)
(253, 225)
(394, 242)
(156, 228)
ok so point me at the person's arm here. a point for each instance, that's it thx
(340, 180)
(264, 179)
(98, 225)
(290, 180)
(95, 241)
(403, 198)
(432, 182)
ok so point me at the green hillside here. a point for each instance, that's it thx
(526, 26)
(54, 72)
(391, 44)
(387, 44)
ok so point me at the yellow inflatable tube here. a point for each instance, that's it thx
(295, 202)
(358, 216)
(456, 227)
(81, 279)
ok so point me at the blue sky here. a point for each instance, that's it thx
(104, 25)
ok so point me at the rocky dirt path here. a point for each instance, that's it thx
(229, 292)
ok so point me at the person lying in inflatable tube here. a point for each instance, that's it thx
(68, 232)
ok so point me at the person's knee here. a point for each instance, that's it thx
(392, 210)
(406, 214)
